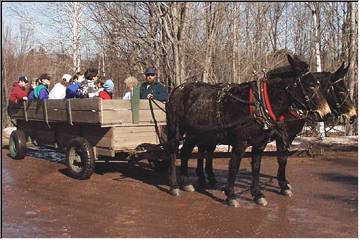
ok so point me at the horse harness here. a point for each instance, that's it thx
(332, 91)
(260, 108)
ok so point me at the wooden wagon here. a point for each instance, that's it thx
(87, 129)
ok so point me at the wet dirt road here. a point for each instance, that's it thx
(39, 200)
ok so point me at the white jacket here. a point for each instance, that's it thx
(58, 92)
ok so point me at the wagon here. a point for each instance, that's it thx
(89, 130)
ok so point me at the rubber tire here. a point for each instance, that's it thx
(84, 149)
(19, 141)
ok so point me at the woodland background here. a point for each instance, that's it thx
(211, 41)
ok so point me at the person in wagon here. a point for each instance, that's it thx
(74, 85)
(18, 91)
(33, 84)
(41, 92)
(88, 88)
(59, 90)
(151, 88)
(106, 88)
(130, 83)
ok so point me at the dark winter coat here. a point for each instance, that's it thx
(156, 89)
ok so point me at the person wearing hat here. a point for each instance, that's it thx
(41, 92)
(152, 88)
(106, 88)
(59, 90)
(18, 91)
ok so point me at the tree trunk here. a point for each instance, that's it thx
(315, 11)
(235, 31)
(76, 35)
(353, 60)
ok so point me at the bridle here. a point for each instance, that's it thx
(306, 105)
(332, 92)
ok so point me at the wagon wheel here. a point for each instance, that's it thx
(17, 144)
(80, 160)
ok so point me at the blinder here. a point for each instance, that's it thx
(306, 105)
(338, 103)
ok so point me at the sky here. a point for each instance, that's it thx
(15, 13)
(12, 20)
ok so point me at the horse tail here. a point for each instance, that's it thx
(172, 128)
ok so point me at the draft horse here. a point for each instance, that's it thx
(333, 87)
(205, 114)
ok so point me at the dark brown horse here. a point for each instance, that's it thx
(208, 116)
(332, 87)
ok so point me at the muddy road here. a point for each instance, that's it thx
(39, 200)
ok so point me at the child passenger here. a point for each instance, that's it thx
(59, 90)
(88, 88)
(106, 88)
(130, 83)
(41, 92)
(33, 84)
(75, 82)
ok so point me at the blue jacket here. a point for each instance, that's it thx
(31, 95)
(72, 90)
(156, 89)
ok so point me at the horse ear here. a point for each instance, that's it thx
(339, 73)
(298, 65)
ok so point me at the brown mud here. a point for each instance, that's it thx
(40, 200)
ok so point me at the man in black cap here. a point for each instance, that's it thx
(152, 88)
(18, 92)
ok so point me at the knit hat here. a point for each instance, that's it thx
(24, 79)
(150, 70)
(109, 85)
(66, 77)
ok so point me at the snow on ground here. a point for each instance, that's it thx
(306, 142)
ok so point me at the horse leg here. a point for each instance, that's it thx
(234, 165)
(209, 166)
(172, 148)
(200, 171)
(185, 153)
(285, 187)
(256, 153)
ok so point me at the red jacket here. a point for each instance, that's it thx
(17, 93)
(105, 95)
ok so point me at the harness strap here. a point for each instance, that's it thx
(268, 105)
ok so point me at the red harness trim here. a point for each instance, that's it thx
(267, 104)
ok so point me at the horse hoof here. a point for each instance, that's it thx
(287, 192)
(289, 186)
(188, 188)
(261, 201)
(175, 192)
(233, 203)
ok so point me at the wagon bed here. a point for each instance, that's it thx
(110, 126)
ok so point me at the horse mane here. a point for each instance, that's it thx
(282, 72)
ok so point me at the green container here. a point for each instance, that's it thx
(135, 103)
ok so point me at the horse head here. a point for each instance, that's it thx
(338, 95)
(302, 88)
